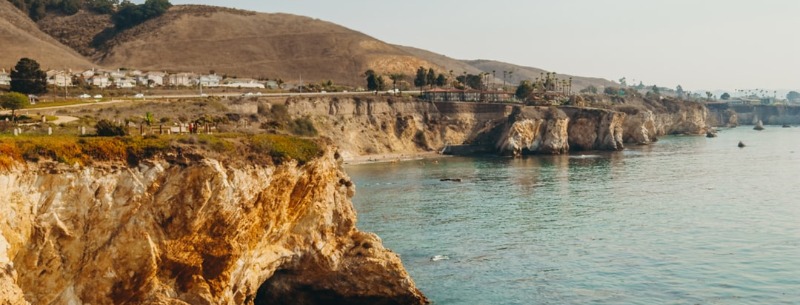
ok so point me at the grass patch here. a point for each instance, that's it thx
(71, 149)
(282, 148)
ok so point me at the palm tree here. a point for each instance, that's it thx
(396, 77)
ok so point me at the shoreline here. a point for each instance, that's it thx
(392, 158)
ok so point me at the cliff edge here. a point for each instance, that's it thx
(197, 231)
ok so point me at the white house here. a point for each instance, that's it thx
(59, 78)
(155, 78)
(87, 74)
(242, 83)
(182, 79)
(125, 82)
(5, 78)
(210, 80)
(118, 74)
(100, 81)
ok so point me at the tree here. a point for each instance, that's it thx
(14, 101)
(725, 96)
(381, 82)
(106, 128)
(591, 89)
(679, 90)
(372, 80)
(709, 95)
(130, 15)
(430, 78)
(524, 90)
(656, 90)
(421, 79)
(28, 78)
(623, 82)
(793, 96)
(396, 78)
(441, 80)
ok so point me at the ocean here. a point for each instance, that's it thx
(686, 220)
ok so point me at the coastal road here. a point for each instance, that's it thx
(179, 96)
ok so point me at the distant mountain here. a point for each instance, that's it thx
(519, 74)
(20, 37)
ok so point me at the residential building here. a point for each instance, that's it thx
(182, 79)
(88, 74)
(5, 78)
(100, 81)
(125, 82)
(242, 83)
(210, 80)
(59, 78)
(271, 84)
(155, 78)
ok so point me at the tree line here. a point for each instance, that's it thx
(427, 77)
(124, 14)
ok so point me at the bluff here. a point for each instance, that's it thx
(372, 125)
(183, 228)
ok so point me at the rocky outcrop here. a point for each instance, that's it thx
(535, 130)
(595, 129)
(200, 233)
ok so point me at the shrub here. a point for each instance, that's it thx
(106, 128)
(282, 148)
(303, 127)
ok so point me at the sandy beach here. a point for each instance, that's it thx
(392, 157)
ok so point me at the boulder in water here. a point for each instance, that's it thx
(759, 126)
(786, 126)
(741, 144)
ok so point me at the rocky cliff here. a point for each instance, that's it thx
(373, 125)
(199, 232)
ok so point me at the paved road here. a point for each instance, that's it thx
(177, 96)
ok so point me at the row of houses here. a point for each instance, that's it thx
(125, 79)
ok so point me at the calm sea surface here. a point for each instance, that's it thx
(688, 220)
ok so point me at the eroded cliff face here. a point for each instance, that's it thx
(595, 129)
(202, 233)
(535, 130)
(374, 125)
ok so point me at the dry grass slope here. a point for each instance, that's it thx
(20, 37)
(247, 44)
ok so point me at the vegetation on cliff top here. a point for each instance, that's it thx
(260, 149)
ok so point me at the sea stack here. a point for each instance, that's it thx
(759, 125)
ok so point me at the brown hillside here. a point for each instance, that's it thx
(520, 72)
(248, 44)
(530, 73)
(20, 37)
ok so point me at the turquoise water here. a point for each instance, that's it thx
(688, 220)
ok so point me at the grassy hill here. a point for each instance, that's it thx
(235, 42)
(195, 38)
(20, 37)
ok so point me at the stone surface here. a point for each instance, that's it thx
(202, 233)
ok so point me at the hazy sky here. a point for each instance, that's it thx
(699, 44)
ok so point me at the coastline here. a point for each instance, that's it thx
(392, 158)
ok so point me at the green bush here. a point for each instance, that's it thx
(303, 127)
(106, 128)
(282, 148)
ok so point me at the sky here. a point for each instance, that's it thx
(698, 44)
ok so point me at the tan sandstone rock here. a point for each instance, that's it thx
(203, 233)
